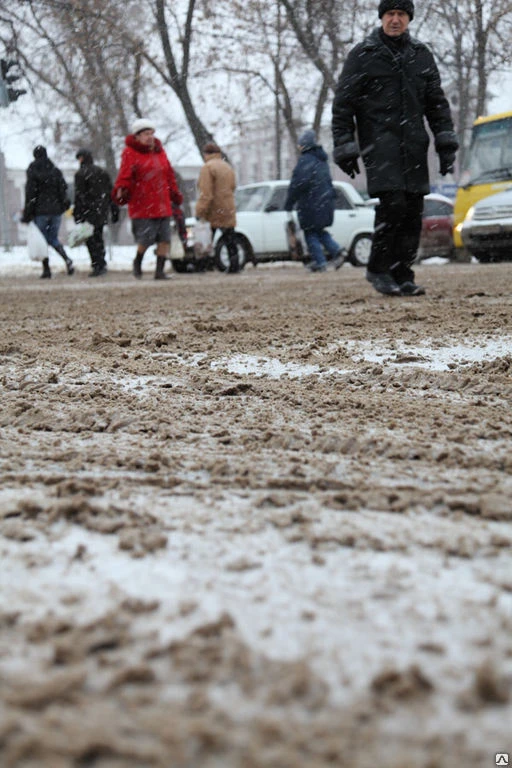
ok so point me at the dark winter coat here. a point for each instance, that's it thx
(46, 192)
(147, 180)
(311, 188)
(386, 92)
(93, 186)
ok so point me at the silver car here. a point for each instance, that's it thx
(487, 229)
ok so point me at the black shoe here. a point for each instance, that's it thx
(98, 270)
(69, 266)
(162, 276)
(383, 283)
(46, 275)
(411, 289)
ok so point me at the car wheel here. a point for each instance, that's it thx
(360, 249)
(245, 253)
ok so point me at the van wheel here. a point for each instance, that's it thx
(245, 253)
(360, 249)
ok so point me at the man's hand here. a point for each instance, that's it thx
(446, 161)
(350, 167)
(345, 156)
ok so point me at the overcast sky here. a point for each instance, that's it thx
(19, 132)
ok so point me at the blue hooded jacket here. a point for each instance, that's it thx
(311, 186)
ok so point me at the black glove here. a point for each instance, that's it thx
(446, 161)
(26, 217)
(350, 167)
(114, 213)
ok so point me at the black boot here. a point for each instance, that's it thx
(160, 264)
(69, 264)
(46, 270)
(137, 265)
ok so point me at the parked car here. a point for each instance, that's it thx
(261, 225)
(487, 228)
(436, 228)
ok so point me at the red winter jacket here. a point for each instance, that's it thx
(147, 180)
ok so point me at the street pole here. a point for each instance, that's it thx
(4, 216)
(277, 116)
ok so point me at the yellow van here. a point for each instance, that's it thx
(488, 168)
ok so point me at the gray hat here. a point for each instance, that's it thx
(307, 139)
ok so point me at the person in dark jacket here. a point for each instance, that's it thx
(312, 191)
(93, 187)
(389, 84)
(46, 199)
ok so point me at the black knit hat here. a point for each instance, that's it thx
(396, 5)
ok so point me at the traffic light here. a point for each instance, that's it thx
(8, 94)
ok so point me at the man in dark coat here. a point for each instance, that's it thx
(389, 84)
(312, 190)
(46, 199)
(93, 187)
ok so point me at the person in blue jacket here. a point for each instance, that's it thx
(312, 190)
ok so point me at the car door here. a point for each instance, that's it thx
(347, 219)
(436, 230)
(274, 223)
(250, 202)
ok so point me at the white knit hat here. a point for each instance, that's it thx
(142, 125)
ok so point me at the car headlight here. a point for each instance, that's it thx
(470, 214)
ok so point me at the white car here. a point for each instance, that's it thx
(487, 229)
(261, 224)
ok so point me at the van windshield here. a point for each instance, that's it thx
(490, 154)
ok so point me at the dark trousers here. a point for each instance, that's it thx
(397, 234)
(96, 247)
(228, 234)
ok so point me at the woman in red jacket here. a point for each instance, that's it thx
(146, 181)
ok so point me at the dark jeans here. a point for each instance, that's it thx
(96, 247)
(228, 233)
(397, 234)
(49, 225)
(319, 240)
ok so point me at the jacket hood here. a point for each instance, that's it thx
(317, 151)
(86, 156)
(133, 142)
(41, 168)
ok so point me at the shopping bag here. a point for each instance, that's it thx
(80, 233)
(294, 236)
(202, 238)
(177, 251)
(36, 243)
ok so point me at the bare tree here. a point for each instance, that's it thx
(472, 41)
(72, 59)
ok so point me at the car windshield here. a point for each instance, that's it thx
(251, 198)
(490, 154)
(434, 207)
